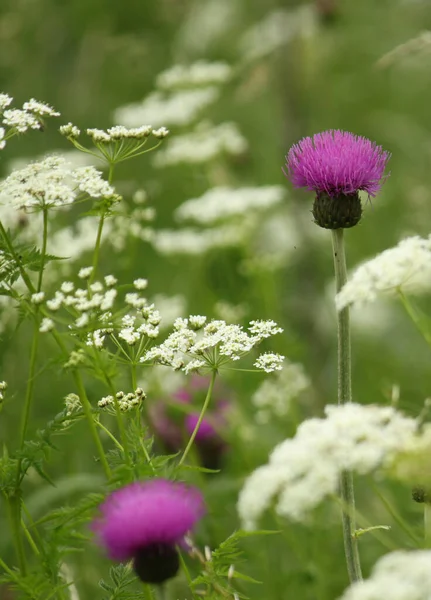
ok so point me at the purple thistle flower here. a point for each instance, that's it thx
(145, 521)
(336, 163)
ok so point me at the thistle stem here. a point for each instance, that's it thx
(344, 396)
(201, 417)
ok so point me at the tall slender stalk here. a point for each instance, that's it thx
(344, 396)
(201, 416)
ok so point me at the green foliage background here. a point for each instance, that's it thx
(88, 57)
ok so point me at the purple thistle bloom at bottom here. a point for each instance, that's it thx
(145, 521)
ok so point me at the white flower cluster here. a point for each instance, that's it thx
(276, 30)
(194, 344)
(85, 304)
(221, 203)
(400, 575)
(51, 182)
(203, 144)
(126, 402)
(179, 108)
(20, 120)
(196, 242)
(118, 133)
(133, 329)
(275, 395)
(351, 437)
(199, 73)
(405, 267)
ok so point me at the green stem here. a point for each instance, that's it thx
(30, 388)
(44, 242)
(120, 422)
(14, 504)
(344, 396)
(109, 434)
(148, 592)
(89, 416)
(201, 416)
(99, 234)
(86, 407)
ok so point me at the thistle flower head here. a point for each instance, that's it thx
(337, 165)
(144, 521)
(337, 162)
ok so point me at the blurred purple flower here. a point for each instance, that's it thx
(144, 521)
(336, 163)
(173, 426)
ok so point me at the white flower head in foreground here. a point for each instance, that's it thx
(202, 145)
(222, 203)
(179, 108)
(275, 395)
(303, 470)
(194, 345)
(51, 182)
(400, 575)
(406, 267)
(199, 73)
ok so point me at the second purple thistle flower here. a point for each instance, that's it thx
(336, 165)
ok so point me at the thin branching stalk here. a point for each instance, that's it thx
(344, 396)
(99, 234)
(201, 417)
(43, 254)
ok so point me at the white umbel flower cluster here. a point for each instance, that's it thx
(351, 437)
(400, 575)
(406, 267)
(221, 203)
(275, 395)
(196, 242)
(117, 133)
(20, 120)
(203, 144)
(51, 182)
(194, 345)
(199, 73)
(180, 108)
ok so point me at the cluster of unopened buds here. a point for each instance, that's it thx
(126, 402)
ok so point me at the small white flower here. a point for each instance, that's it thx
(67, 287)
(90, 181)
(2, 140)
(264, 329)
(46, 325)
(38, 297)
(70, 130)
(85, 273)
(5, 101)
(20, 120)
(110, 280)
(269, 362)
(140, 284)
(161, 133)
(3, 384)
(40, 108)
(197, 321)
